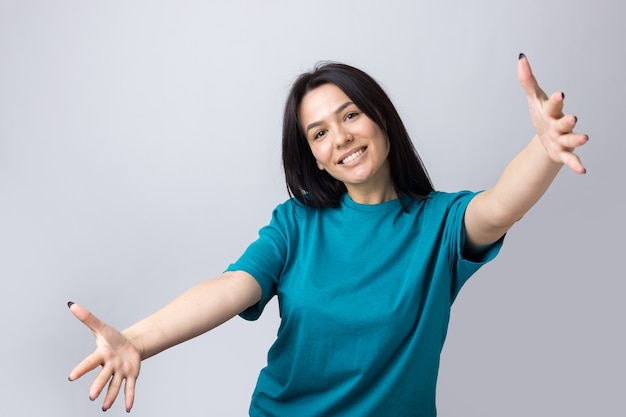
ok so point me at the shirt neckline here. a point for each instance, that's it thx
(347, 201)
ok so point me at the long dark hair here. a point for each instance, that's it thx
(316, 188)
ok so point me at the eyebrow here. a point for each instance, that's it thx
(339, 110)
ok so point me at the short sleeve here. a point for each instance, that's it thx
(462, 267)
(264, 259)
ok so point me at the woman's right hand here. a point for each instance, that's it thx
(119, 358)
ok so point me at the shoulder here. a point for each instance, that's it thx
(447, 199)
(441, 205)
(292, 207)
(292, 212)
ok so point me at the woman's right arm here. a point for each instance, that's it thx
(196, 311)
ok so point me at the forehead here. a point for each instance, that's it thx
(321, 102)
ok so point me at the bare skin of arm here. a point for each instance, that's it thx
(207, 305)
(196, 311)
(527, 177)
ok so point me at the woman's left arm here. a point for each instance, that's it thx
(525, 179)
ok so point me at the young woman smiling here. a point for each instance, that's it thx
(366, 258)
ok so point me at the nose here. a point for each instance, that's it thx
(343, 137)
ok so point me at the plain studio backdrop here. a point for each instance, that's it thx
(140, 154)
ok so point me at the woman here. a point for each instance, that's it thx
(366, 260)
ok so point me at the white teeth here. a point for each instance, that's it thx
(352, 157)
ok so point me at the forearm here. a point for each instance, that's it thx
(525, 179)
(196, 311)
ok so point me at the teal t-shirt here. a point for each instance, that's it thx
(364, 296)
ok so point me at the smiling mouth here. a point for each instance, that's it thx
(353, 156)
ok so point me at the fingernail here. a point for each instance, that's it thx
(104, 409)
(576, 119)
(562, 95)
(521, 55)
(70, 379)
(70, 303)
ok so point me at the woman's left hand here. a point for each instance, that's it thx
(554, 129)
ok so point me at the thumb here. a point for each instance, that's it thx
(527, 80)
(86, 317)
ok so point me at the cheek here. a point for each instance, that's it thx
(318, 156)
(380, 139)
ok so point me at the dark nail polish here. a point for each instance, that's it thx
(104, 409)
(562, 95)
(70, 303)
(521, 55)
(576, 119)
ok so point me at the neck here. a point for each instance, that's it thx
(377, 189)
(375, 196)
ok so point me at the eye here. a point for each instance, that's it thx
(319, 134)
(351, 115)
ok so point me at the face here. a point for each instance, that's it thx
(345, 142)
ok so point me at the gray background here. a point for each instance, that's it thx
(140, 153)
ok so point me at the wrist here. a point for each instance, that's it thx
(542, 153)
(133, 338)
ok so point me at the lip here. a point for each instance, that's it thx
(350, 152)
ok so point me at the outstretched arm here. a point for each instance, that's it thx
(526, 178)
(196, 311)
